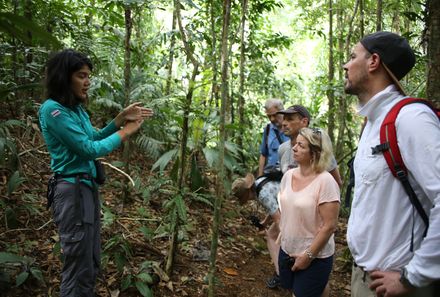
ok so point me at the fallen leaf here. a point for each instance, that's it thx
(230, 271)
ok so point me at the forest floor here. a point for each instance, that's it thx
(136, 232)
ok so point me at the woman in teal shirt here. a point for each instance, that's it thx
(73, 145)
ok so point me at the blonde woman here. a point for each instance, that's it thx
(309, 201)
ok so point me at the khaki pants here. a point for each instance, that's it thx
(360, 280)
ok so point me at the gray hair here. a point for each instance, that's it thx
(274, 102)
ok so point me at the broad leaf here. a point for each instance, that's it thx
(21, 278)
(181, 208)
(165, 159)
(14, 182)
(37, 274)
(145, 278)
(144, 289)
(10, 258)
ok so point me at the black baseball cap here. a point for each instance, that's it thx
(394, 51)
(296, 109)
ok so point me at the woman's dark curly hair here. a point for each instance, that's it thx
(59, 70)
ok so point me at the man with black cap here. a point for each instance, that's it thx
(385, 233)
(294, 118)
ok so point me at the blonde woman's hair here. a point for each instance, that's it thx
(320, 147)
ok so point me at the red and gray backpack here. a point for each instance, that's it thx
(390, 149)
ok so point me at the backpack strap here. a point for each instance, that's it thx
(277, 134)
(350, 184)
(266, 133)
(391, 152)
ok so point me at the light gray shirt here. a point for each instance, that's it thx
(285, 157)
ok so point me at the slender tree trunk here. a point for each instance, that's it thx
(433, 82)
(214, 60)
(350, 30)
(379, 15)
(28, 14)
(171, 56)
(241, 119)
(185, 130)
(396, 19)
(362, 18)
(331, 76)
(342, 102)
(221, 146)
(127, 90)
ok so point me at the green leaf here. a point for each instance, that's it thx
(37, 274)
(147, 232)
(145, 277)
(14, 181)
(126, 282)
(120, 261)
(196, 175)
(21, 278)
(181, 208)
(144, 289)
(4, 91)
(10, 258)
(11, 218)
(165, 159)
(210, 155)
(2, 147)
(19, 26)
(108, 217)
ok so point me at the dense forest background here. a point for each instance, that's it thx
(206, 68)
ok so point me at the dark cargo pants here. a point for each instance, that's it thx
(78, 222)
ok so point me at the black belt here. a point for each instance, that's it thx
(364, 276)
(80, 175)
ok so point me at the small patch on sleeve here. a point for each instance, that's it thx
(55, 113)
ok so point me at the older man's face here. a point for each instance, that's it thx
(274, 118)
(292, 123)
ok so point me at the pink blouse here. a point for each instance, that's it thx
(300, 217)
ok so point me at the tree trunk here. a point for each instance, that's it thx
(221, 146)
(379, 15)
(433, 83)
(171, 56)
(127, 90)
(185, 130)
(362, 18)
(331, 76)
(214, 86)
(240, 104)
(339, 145)
(350, 30)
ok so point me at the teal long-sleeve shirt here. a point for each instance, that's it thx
(72, 141)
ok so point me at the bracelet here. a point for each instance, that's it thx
(309, 254)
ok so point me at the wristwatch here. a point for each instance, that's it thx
(404, 279)
(309, 254)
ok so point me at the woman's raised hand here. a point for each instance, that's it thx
(133, 112)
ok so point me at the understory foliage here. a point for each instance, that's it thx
(285, 55)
